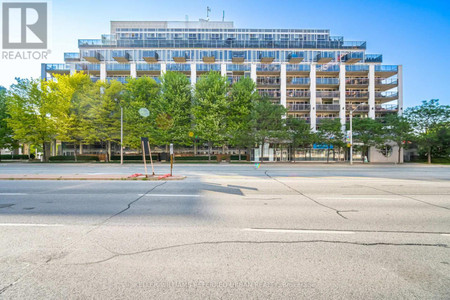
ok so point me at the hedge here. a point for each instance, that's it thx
(16, 156)
(236, 157)
(213, 157)
(72, 158)
(133, 157)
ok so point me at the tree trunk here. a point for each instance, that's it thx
(75, 151)
(261, 158)
(223, 149)
(399, 154)
(44, 153)
(328, 153)
(239, 154)
(209, 151)
(195, 148)
(429, 155)
(109, 152)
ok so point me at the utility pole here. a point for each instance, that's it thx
(121, 135)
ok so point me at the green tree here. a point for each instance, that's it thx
(173, 109)
(330, 134)
(397, 129)
(210, 109)
(241, 97)
(267, 122)
(6, 134)
(139, 93)
(368, 132)
(102, 122)
(33, 108)
(428, 119)
(68, 91)
(300, 134)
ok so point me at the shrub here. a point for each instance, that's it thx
(213, 157)
(133, 157)
(72, 158)
(16, 156)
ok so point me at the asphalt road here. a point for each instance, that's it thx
(228, 232)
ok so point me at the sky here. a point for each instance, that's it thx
(412, 33)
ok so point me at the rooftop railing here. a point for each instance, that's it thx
(386, 68)
(327, 44)
(373, 58)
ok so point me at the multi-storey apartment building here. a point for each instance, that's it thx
(313, 74)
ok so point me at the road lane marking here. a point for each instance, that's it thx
(13, 194)
(298, 231)
(169, 195)
(29, 225)
(445, 234)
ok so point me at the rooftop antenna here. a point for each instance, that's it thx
(208, 10)
(223, 16)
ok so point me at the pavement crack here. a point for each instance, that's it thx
(260, 243)
(408, 197)
(338, 212)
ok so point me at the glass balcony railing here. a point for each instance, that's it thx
(357, 94)
(298, 68)
(386, 68)
(118, 67)
(327, 68)
(71, 56)
(149, 67)
(91, 55)
(87, 67)
(386, 108)
(299, 107)
(386, 94)
(327, 107)
(57, 67)
(357, 81)
(121, 55)
(265, 80)
(388, 81)
(373, 58)
(208, 67)
(297, 80)
(179, 67)
(325, 81)
(357, 68)
(297, 94)
(325, 56)
(357, 107)
(327, 94)
(268, 68)
(240, 68)
(353, 56)
(208, 43)
(270, 93)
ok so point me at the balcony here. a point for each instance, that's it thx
(121, 56)
(268, 69)
(357, 70)
(269, 93)
(357, 107)
(294, 69)
(298, 107)
(373, 58)
(209, 59)
(353, 57)
(386, 84)
(327, 94)
(295, 57)
(268, 81)
(327, 82)
(357, 82)
(327, 107)
(150, 57)
(297, 94)
(324, 57)
(357, 94)
(386, 108)
(238, 69)
(57, 69)
(266, 57)
(91, 56)
(91, 69)
(386, 96)
(183, 68)
(71, 57)
(330, 70)
(385, 71)
(207, 68)
(180, 56)
(297, 81)
(238, 57)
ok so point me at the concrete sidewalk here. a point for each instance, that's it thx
(86, 177)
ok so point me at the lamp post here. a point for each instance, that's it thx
(121, 135)
(351, 133)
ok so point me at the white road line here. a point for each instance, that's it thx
(13, 194)
(298, 231)
(445, 234)
(169, 195)
(29, 225)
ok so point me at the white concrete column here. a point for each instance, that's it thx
(72, 69)
(342, 88)
(103, 71)
(163, 68)
(312, 99)
(372, 91)
(283, 85)
(133, 71)
(193, 74)
(223, 69)
(400, 90)
(253, 72)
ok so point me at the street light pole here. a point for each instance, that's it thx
(351, 137)
(121, 135)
